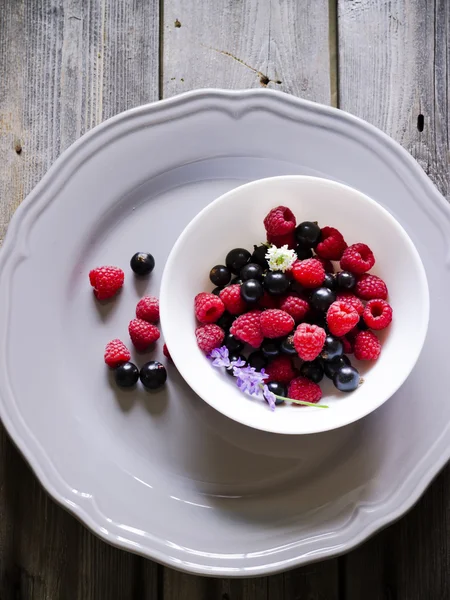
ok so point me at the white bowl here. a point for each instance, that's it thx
(236, 220)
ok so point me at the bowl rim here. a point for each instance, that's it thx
(421, 329)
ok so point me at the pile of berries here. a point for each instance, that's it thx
(296, 307)
(106, 282)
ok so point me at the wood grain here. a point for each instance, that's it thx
(282, 44)
(64, 67)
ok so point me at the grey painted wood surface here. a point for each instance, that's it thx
(66, 65)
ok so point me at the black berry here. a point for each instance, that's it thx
(220, 275)
(232, 343)
(257, 360)
(287, 346)
(259, 256)
(276, 283)
(307, 234)
(142, 263)
(345, 280)
(251, 290)
(332, 348)
(346, 379)
(362, 325)
(331, 367)
(329, 281)
(226, 321)
(303, 253)
(322, 298)
(270, 348)
(153, 375)
(233, 356)
(216, 291)
(126, 375)
(251, 271)
(236, 259)
(279, 389)
(312, 370)
(236, 281)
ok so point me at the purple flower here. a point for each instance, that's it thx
(269, 396)
(220, 357)
(249, 379)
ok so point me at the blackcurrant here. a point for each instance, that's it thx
(322, 298)
(279, 389)
(126, 375)
(232, 343)
(153, 375)
(312, 370)
(220, 275)
(226, 321)
(332, 348)
(329, 281)
(303, 253)
(142, 263)
(331, 367)
(259, 256)
(345, 280)
(251, 290)
(307, 234)
(233, 356)
(276, 283)
(270, 348)
(257, 360)
(216, 291)
(236, 259)
(346, 379)
(236, 281)
(361, 325)
(251, 271)
(287, 346)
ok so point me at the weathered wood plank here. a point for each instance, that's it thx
(228, 44)
(402, 74)
(64, 67)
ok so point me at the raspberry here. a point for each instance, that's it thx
(309, 273)
(341, 318)
(347, 343)
(209, 337)
(331, 245)
(288, 239)
(147, 309)
(377, 314)
(166, 352)
(309, 341)
(369, 287)
(276, 323)
(268, 301)
(231, 297)
(352, 300)
(326, 264)
(367, 346)
(116, 353)
(106, 281)
(304, 389)
(208, 307)
(247, 328)
(279, 221)
(281, 370)
(296, 307)
(142, 334)
(357, 259)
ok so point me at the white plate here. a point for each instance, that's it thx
(166, 475)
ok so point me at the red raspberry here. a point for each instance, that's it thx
(347, 343)
(116, 353)
(331, 245)
(208, 307)
(166, 352)
(231, 297)
(268, 301)
(304, 389)
(377, 314)
(281, 370)
(309, 341)
(341, 318)
(147, 309)
(357, 259)
(309, 273)
(276, 323)
(247, 328)
(326, 264)
(369, 287)
(296, 307)
(352, 300)
(367, 346)
(280, 221)
(142, 334)
(209, 337)
(106, 281)
(287, 239)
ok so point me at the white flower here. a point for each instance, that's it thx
(280, 259)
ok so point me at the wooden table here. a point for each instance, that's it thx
(65, 66)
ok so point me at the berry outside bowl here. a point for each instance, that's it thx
(236, 220)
